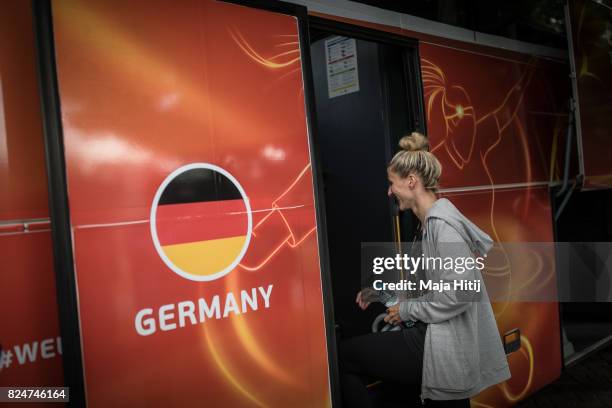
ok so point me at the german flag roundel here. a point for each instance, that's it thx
(201, 222)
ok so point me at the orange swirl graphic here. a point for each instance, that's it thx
(254, 350)
(528, 353)
(436, 89)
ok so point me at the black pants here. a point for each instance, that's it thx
(396, 358)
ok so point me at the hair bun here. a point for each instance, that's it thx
(414, 142)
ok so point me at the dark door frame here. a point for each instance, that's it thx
(414, 96)
(59, 211)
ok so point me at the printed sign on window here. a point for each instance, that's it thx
(341, 61)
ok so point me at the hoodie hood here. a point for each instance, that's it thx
(478, 240)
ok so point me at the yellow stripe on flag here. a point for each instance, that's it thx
(205, 257)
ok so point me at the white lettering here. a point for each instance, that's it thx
(171, 316)
(377, 265)
(144, 327)
(47, 349)
(251, 300)
(378, 284)
(29, 351)
(416, 262)
(266, 295)
(186, 309)
(213, 310)
(230, 305)
(165, 314)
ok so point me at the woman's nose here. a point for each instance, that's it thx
(389, 192)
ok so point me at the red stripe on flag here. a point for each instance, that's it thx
(191, 222)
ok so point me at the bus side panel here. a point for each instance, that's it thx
(520, 215)
(494, 120)
(30, 336)
(590, 23)
(145, 91)
(23, 184)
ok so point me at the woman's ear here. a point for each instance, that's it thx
(411, 181)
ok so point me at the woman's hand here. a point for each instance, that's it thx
(393, 316)
(362, 303)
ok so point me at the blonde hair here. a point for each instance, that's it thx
(415, 157)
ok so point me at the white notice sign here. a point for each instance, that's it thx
(341, 59)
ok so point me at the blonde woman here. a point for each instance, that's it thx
(454, 351)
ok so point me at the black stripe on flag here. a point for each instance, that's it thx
(198, 185)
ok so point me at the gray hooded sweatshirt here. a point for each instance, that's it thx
(463, 351)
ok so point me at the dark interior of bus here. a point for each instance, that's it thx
(357, 135)
(587, 218)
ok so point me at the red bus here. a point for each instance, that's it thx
(211, 169)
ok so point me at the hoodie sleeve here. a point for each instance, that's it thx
(436, 306)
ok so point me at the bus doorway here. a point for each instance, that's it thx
(367, 95)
